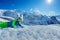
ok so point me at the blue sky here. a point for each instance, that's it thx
(28, 4)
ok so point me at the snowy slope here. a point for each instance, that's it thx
(6, 18)
(38, 32)
(3, 20)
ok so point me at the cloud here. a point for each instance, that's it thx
(43, 12)
(35, 11)
(51, 13)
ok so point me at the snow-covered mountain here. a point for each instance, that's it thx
(30, 18)
(1, 12)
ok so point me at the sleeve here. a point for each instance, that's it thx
(13, 24)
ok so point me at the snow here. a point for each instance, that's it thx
(38, 32)
(3, 20)
(7, 17)
(41, 30)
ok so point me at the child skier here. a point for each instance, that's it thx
(12, 24)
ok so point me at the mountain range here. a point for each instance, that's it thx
(31, 18)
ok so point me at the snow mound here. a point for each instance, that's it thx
(39, 32)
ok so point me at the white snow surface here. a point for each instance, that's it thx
(37, 32)
(7, 17)
(3, 20)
